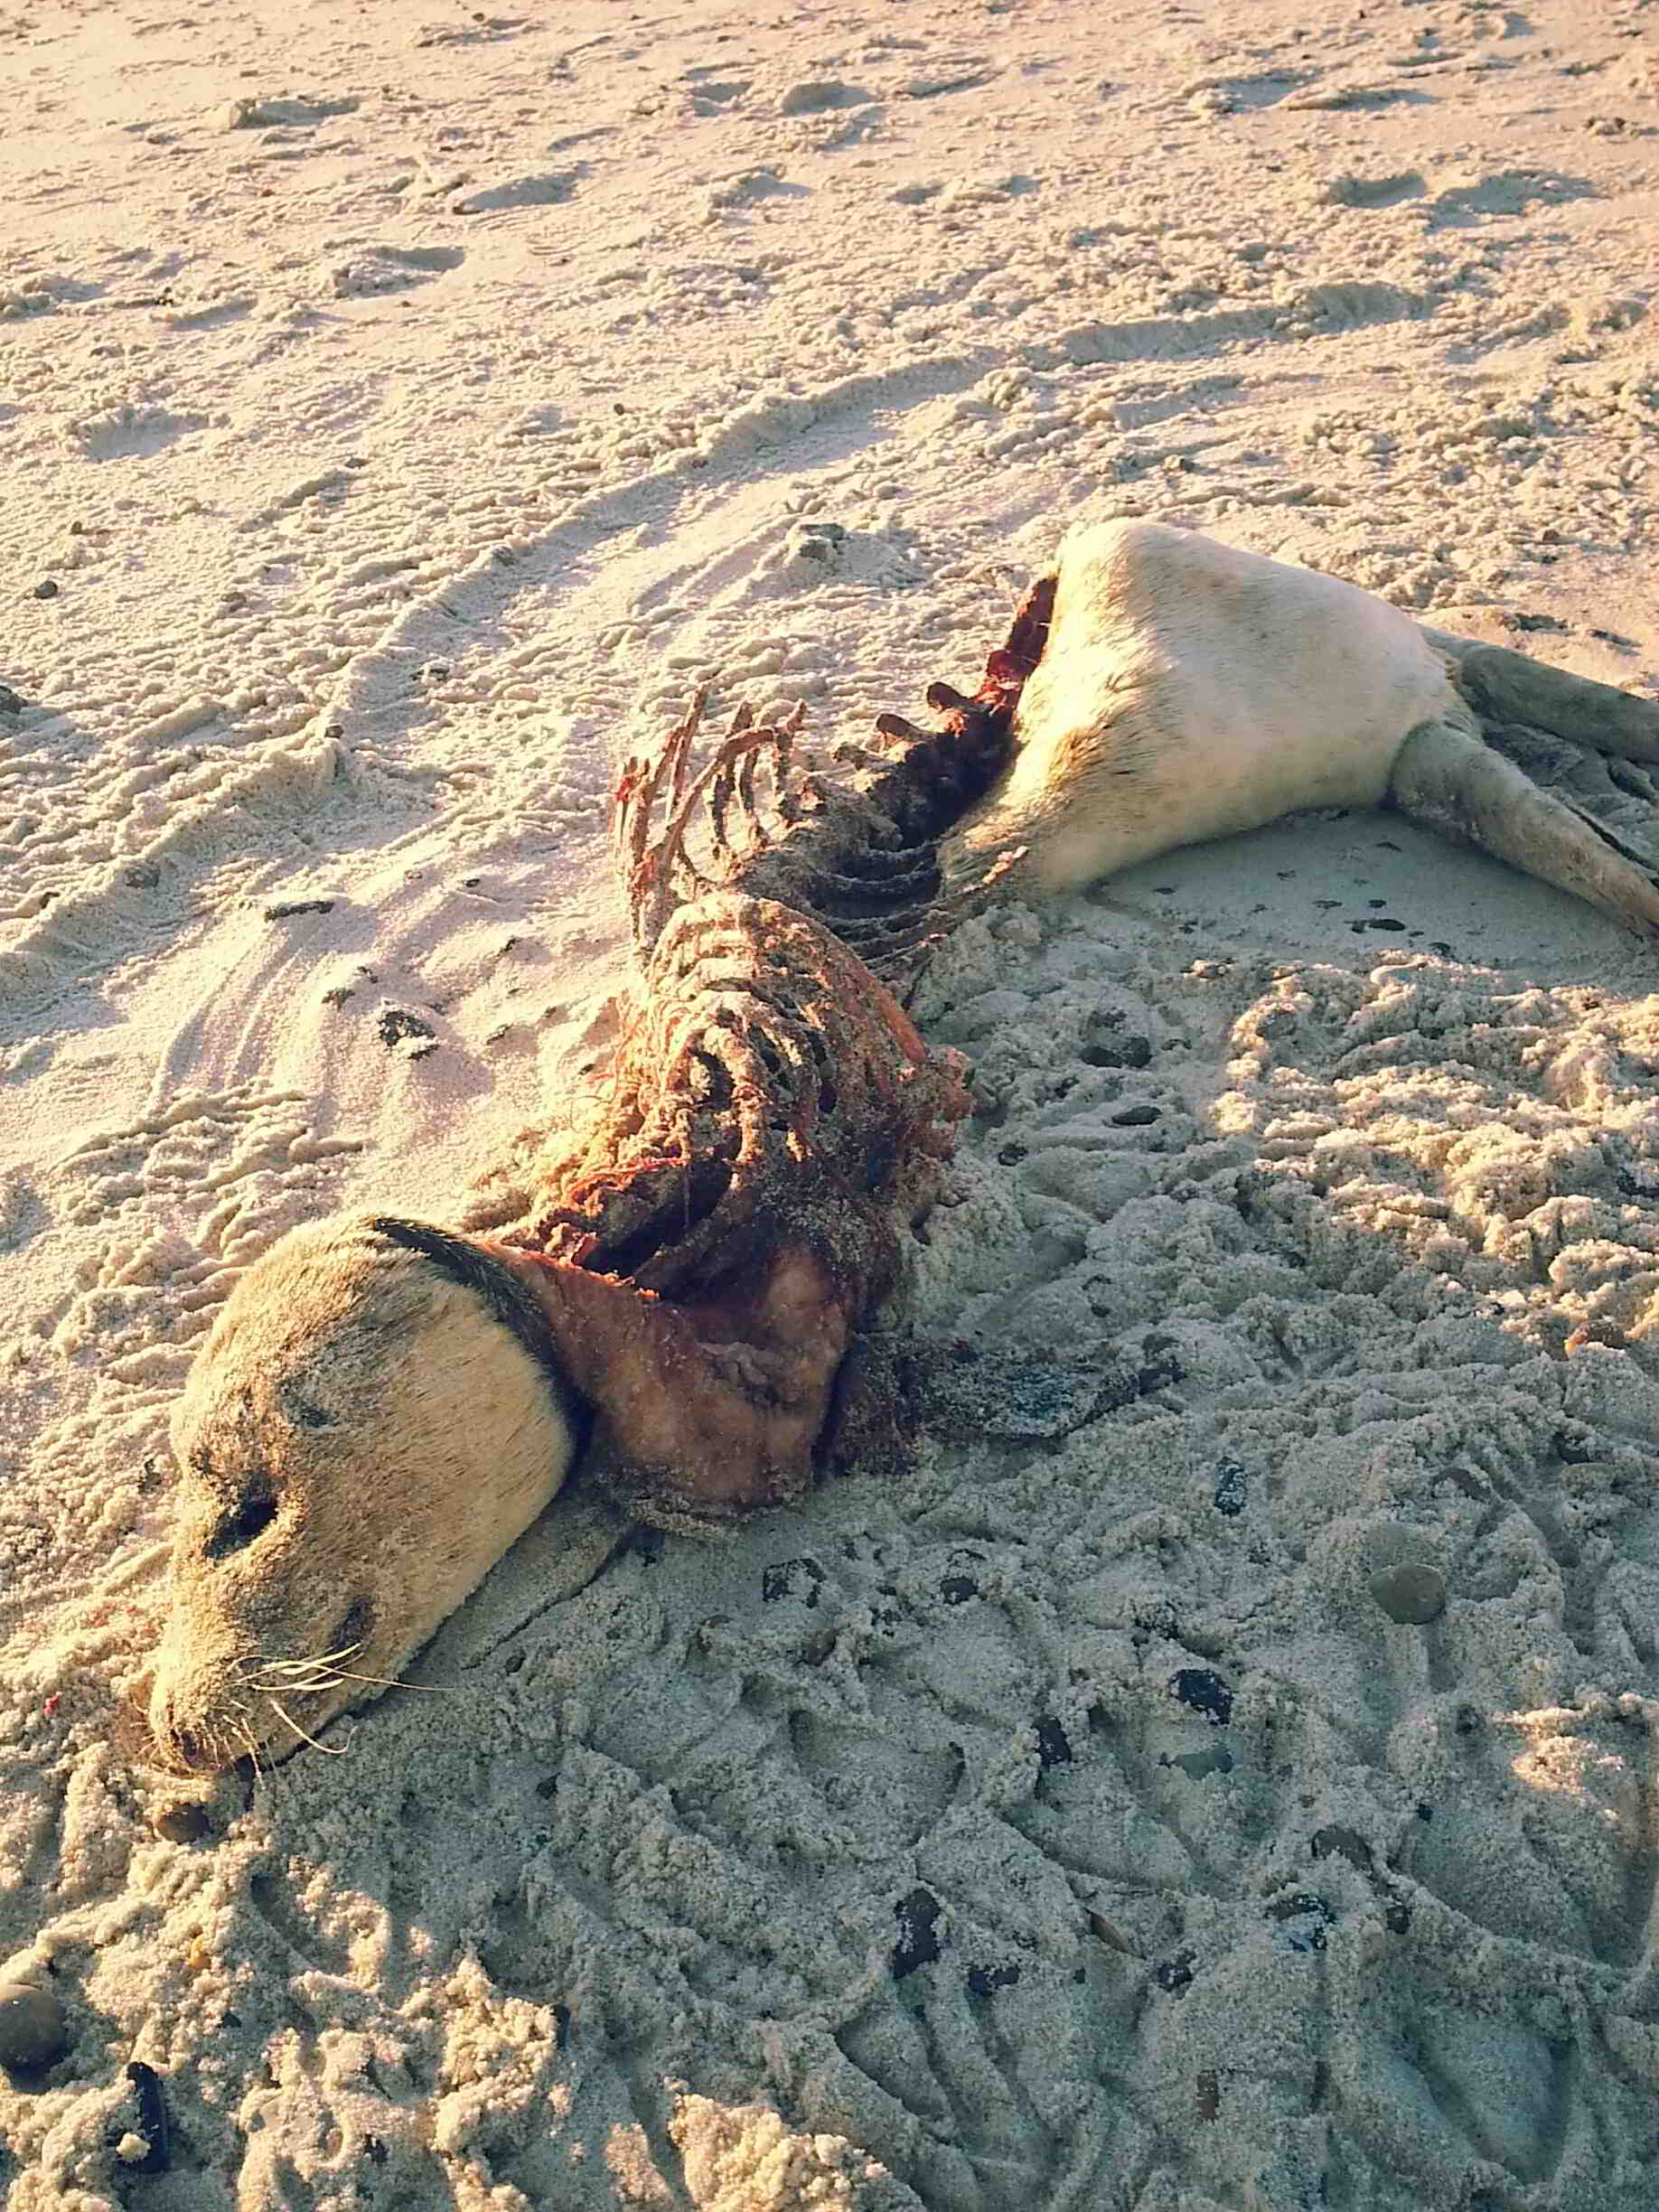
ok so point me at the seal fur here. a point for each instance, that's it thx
(1186, 690)
(376, 1415)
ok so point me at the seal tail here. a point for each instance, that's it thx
(1447, 779)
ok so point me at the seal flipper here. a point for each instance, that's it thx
(1512, 686)
(1447, 779)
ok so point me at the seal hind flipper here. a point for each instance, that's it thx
(1447, 778)
(1512, 686)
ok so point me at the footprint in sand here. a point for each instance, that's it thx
(131, 432)
(546, 190)
(482, 30)
(391, 269)
(289, 112)
(1374, 191)
(1510, 192)
(820, 95)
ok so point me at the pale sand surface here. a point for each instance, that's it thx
(410, 403)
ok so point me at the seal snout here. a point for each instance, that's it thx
(186, 1735)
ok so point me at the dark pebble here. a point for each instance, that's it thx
(11, 702)
(1229, 1491)
(1175, 1974)
(151, 2120)
(1217, 1759)
(1204, 1691)
(46, 589)
(398, 1028)
(1054, 1747)
(1342, 1842)
(917, 1945)
(983, 1979)
(1305, 1919)
(34, 2026)
(285, 909)
(1412, 1595)
(1136, 1117)
(182, 1823)
(799, 1578)
(1101, 1049)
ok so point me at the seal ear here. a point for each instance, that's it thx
(462, 1262)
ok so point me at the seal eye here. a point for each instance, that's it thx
(251, 1518)
(303, 1410)
(355, 1629)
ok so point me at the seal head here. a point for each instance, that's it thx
(376, 1415)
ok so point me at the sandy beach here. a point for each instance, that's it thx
(1221, 1777)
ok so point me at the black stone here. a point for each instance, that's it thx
(1175, 1974)
(983, 1979)
(799, 1578)
(1230, 1488)
(1204, 1691)
(1052, 1747)
(917, 1916)
(151, 2120)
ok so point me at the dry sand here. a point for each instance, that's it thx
(408, 403)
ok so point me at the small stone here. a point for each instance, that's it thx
(1174, 1975)
(182, 1823)
(1412, 1594)
(800, 1578)
(406, 1033)
(285, 910)
(151, 2144)
(1304, 1919)
(1343, 1843)
(985, 1980)
(1054, 1745)
(918, 1946)
(1230, 1488)
(46, 589)
(11, 702)
(34, 2026)
(1206, 1692)
(1217, 1759)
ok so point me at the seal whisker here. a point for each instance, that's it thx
(334, 1751)
(241, 1729)
(397, 1681)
